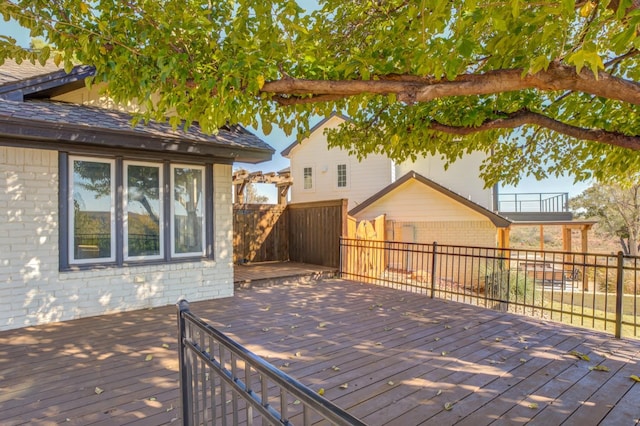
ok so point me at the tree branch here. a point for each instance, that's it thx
(520, 118)
(418, 89)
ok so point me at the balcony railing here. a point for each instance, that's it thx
(223, 383)
(533, 202)
(590, 290)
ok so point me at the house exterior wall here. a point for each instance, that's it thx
(363, 178)
(417, 213)
(461, 177)
(34, 291)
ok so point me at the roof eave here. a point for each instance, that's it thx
(47, 134)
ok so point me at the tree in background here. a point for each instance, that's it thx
(545, 87)
(617, 209)
(251, 195)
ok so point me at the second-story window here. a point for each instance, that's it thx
(307, 175)
(342, 175)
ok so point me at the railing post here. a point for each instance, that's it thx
(433, 269)
(619, 294)
(185, 392)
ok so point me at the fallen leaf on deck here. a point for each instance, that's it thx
(321, 391)
(322, 325)
(344, 385)
(335, 368)
(448, 406)
(153, 398)
(170, 408)
(580, 355)
(498, 339)
(266, 308)
(439, 392)
(149, 357)
(265, 329)
(296, 402)
(634, 378)
(444, 353)
(436, 339)
(378, 343)
(447, 326)
(388, 328)
(599, 368)
(164, 345)
(466, 327)
(286, 364)
(98, 390)
(390, 383)
(522, 360)
(533, 406)
(298, 354)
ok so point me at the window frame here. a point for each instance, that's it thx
(203, 223)
(112, 211)
(346, 176)
(304, 182)
(118, 164)
(125, 210)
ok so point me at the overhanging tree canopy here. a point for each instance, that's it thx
(548, 86)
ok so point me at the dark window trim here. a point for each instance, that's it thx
(63, 211)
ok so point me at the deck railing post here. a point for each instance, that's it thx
(185, 392)
(619, 294)
(433, 269)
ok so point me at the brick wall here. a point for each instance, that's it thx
(478, 233)
(33, 291)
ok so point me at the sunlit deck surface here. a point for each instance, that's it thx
(386, 356)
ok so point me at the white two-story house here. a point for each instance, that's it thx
(422, 201)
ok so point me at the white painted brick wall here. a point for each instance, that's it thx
(33, 291)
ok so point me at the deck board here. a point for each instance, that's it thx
(402, 355)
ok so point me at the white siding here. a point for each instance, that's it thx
(461, 177)
(363, 178)
(417, 213)
(32, 289)
(414, 201)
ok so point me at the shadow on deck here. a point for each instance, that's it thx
(384, 355)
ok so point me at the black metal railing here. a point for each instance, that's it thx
(538, 202)
(590, 290)
(222, 382)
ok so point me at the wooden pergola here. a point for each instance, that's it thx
(567, 227)
(282, 180)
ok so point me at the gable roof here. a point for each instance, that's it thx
(27, 121)
(285, 152)
(496, 219)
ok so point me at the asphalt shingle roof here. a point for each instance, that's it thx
(91, 117)
(90, 120)
(12, 72)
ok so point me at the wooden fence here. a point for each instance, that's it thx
(315, 230)
(260, 233)
(302, 232)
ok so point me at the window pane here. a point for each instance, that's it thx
(92, 187)
(143, 214)
(188, 210)
(308, 177)
(342, 175)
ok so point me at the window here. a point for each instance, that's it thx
(187, 230)
(307, 175)
(134, 211)
(143, 209)
(342, 175)
(92, 210)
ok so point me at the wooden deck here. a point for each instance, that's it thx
(403, 357)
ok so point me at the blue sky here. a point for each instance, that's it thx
(279, 141)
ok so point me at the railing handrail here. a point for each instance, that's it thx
(546, 201)
(535, 282)
(307, 396)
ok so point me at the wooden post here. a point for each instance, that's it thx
(541, 237)
(566, 238)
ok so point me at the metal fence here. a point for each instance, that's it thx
(589, 290)
(223, 383)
